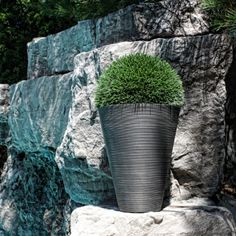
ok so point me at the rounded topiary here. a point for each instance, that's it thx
(139, 78)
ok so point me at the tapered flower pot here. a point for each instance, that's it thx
(139, 140)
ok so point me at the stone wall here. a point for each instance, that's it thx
(55, 54)
(52, 118)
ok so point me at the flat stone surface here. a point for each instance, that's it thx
(172, 221)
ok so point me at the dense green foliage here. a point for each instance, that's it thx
(139, 78)
(222, 14)
(22, 20)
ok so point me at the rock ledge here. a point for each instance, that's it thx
(173, 220)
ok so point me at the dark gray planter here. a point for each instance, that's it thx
(139, 140)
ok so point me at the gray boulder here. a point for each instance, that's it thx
(198, 157)
(38, 112)
(58, 113)
(32, 196)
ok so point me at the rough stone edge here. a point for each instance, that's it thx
(130, 12)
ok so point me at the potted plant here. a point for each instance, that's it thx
(139, 99)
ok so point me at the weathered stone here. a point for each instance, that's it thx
(59, 113)
(198, 155)
(42, 115)
(32, 195)
(152, 20)
(8, 219)
(173, 220)
(55, 53)
(38, 113)
(37, 57)
(4, 129)
(3, 157)
(204, 101)
(227, 196)
(54, 117)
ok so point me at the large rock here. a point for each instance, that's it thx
(38, 113)
(173, 220)
(198, 157)
(55, 53)
(32, 195)
(58, 113)
(41, 116)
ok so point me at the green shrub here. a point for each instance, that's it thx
(222, 14)
(139, 78)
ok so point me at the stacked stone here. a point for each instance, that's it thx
(54, 111)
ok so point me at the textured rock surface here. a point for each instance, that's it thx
(4, 129)
(32, 196)
(53, 118)
(231, 123)
(38, 114)
(48, 110)
(228, 200)
(3, 157)
(173, 220)
(198, 157)
(55, 53)
(58, 113)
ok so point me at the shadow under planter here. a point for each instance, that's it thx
(139, 140)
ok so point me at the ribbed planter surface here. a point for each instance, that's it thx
(139, 140)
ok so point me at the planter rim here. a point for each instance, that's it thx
(139, 105)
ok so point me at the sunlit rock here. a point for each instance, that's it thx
(192, 220)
